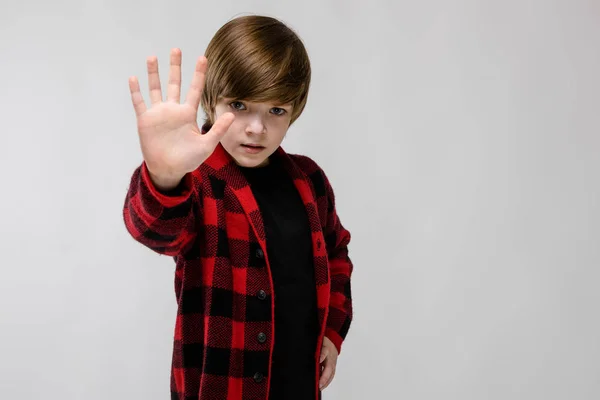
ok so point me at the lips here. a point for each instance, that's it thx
(252, 148)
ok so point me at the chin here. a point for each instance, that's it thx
(250, 163)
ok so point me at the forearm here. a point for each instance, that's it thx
(162, 221)
(340, 303)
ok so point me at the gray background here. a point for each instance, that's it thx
(462, 140)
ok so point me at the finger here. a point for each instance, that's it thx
(324, 354)
(154, 80)
(326, 376)
(195, 92)
(330, 376)
(174, 86)
(220, 127)
(136, 96)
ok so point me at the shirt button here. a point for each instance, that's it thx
(262, 337)
(262, 294)
(258, 377)
(259, 253)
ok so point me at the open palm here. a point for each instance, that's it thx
(171, 141)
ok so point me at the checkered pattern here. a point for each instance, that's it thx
(212, 226)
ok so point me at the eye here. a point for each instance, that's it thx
(278, 111)
(237, 105)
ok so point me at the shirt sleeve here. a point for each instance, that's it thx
(337, 239)
(164, 221)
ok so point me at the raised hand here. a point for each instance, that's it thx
(170, 138)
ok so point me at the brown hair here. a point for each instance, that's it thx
(256, 58)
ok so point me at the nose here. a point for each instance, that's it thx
(255, 125)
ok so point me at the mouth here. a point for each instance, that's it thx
(252, 148)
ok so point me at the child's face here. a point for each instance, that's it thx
(259, 124)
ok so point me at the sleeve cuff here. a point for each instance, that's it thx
(335, 338)
(172, 197)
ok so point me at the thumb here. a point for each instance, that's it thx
(219, 128)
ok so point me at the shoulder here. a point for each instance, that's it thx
(314, 172)
(306, 164)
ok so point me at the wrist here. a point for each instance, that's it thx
(164, 183)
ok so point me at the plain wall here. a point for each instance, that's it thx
(462, 140)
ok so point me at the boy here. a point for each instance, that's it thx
(262, 273)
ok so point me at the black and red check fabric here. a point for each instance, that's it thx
(212, 226)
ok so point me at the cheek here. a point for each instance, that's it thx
(284, 123)
(279, 129)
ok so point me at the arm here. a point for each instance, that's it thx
(340, 265)
(164, 221)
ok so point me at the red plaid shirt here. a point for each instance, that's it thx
(212, 226)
